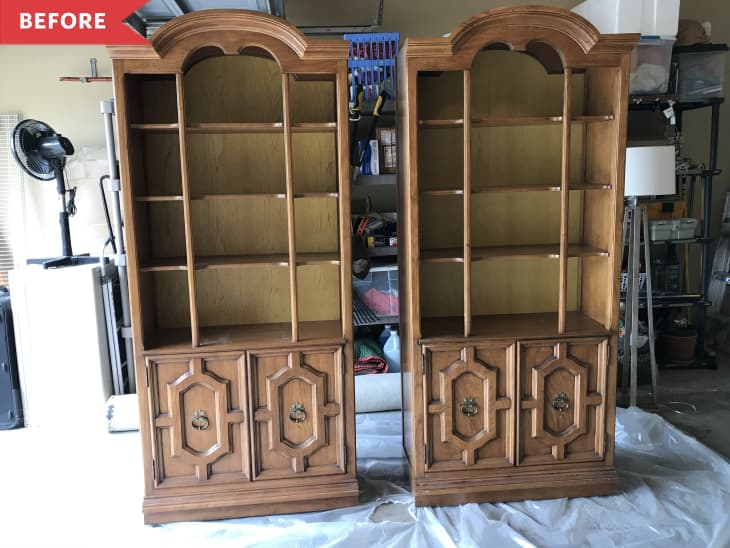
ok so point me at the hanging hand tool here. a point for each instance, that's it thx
(355, 117)
(357, 155)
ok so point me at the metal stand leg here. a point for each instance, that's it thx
(627, 238)
(650, 308)
(633, 299)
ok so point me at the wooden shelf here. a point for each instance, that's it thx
(443, 192)
(510, 326)
(509, 121)
(516, 188)
(164, 264)
(202, 197)
(269, 334)
(155, 127)
(260, 127)
(550, 251)
(168, 198)
(278, 259)
(252, 336)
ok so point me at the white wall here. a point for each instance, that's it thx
(31, 88)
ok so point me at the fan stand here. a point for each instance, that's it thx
(67, 257)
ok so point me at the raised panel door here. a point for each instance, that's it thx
(199, 419)
(469, 395)
(562, 400)
(298, 416)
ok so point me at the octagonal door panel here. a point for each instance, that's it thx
(469, 395)
(298, 416)
(199, 420)
(562, 406)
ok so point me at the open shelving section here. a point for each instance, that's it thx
(696, 298)
(513, 131)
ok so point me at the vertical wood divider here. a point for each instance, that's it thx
(565, 201)
(467, 202)
(189, 251)
(344, 174)
(290, 209)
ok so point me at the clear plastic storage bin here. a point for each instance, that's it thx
(645, 17)
(650, 65)
(700, 72)
(379, 290)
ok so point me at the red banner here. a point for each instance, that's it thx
(68, 22)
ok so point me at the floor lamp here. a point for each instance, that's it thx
(650, 171)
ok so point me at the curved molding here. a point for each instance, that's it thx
(524, 28)
(213, 22)
(536, 19)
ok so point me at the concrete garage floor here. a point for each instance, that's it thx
(697, 401)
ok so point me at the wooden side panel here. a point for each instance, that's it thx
(199, 419)
(298, 428)
(562, 401)
(469, 406)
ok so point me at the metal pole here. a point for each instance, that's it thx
(107, 109)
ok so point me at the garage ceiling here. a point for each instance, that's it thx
(319, 17)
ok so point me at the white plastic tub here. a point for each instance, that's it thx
(612, 16)
(645, 17)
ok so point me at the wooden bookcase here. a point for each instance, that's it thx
(512, 142)
(235, 172)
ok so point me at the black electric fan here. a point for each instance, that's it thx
(42, 153)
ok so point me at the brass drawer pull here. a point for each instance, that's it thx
(561, 402)
(469, 407)
(297, 413)
(200, 420)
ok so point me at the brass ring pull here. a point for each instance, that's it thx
(561, 402)
(297, 413)
(469, 407)
(200, 420)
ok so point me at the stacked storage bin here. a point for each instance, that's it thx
(656, 21)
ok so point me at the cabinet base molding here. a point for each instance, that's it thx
(247, 502)
(520, 485)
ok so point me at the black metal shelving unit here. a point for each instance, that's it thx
(697, 300)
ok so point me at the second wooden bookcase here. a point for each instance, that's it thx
(512, 142)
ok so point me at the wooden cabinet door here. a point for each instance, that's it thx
(469, 395)
(198, 419)
(562, 405)
(298, 415)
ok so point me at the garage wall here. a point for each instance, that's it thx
(73, 108)
(31, 88)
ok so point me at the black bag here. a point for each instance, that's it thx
(11, 410)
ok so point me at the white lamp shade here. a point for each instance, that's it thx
(650, 171)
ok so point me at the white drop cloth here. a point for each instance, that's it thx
(675, 492)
